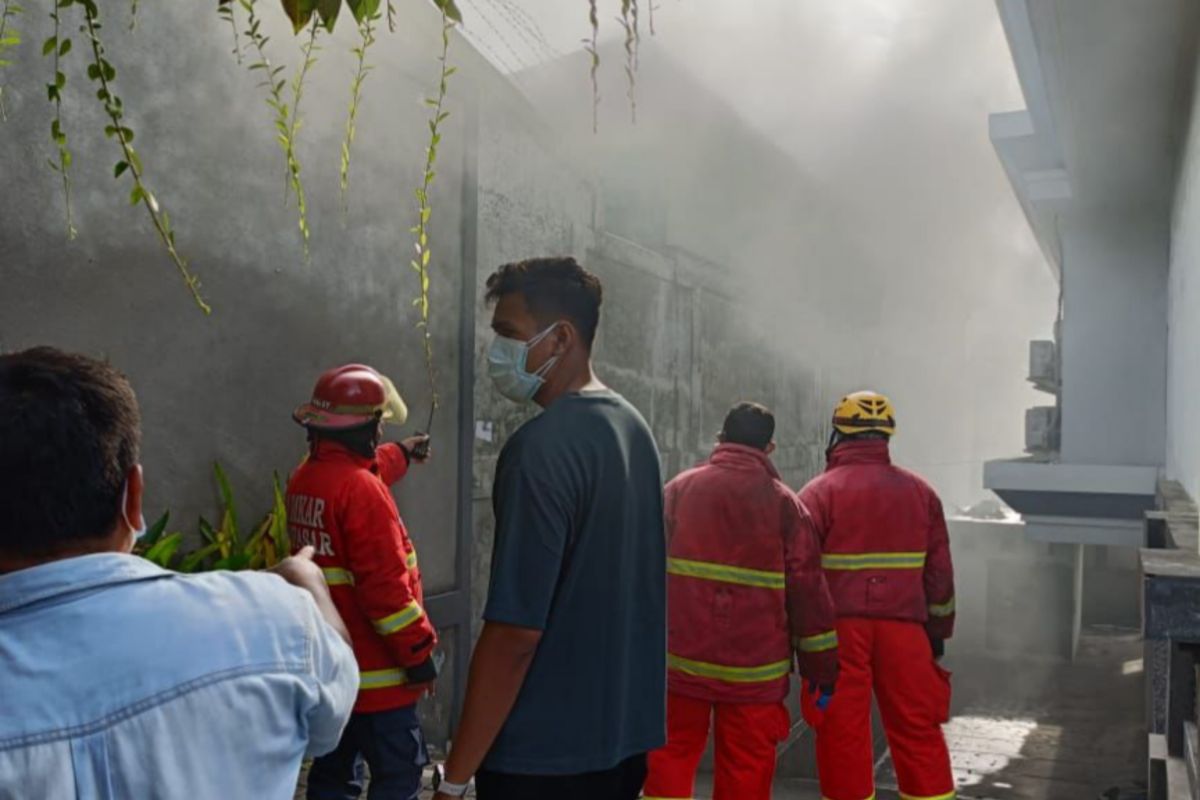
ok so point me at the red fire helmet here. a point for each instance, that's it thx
(349, 396)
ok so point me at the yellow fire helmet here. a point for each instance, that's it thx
(863, 412)
(395, 412)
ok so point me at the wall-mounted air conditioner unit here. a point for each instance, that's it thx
(1043, 366)
(1041, 430)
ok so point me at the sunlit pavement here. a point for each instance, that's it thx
(1046, 731)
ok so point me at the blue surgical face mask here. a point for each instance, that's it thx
(506, 366)
(137, 532)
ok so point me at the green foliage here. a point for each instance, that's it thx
(287, 120)
(102, 73)
(367, 30)
(225, 10)
(10, 37)
(301, 12)
(222, 547)
(293, 127)
(421, 262)
(629, 21)
(59, 46)
(286, 117)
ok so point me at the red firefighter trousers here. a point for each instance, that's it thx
(746, 737)
(895, 660)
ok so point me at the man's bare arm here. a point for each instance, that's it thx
(498, 669)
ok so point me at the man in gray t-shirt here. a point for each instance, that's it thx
(567, 686)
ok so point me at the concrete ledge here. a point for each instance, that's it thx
(1085, 530)
(1025, 475)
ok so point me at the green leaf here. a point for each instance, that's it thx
(328, 10)
(299, 12)
(163, 552)
(226, 491)
(120, 168)
(194, 559)
(64, 48)
(48, 46)
(363, 9)
(136, 196)
(156, 530)
(450, 9)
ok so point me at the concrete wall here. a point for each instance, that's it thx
(222, 388)
(1114, 340)
(1183, 376)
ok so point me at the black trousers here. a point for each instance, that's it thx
(391, 744)
(622, 782)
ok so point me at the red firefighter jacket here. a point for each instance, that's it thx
(884, 543)
(744, 583)
(339, 503)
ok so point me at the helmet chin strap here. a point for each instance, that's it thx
(835, 438)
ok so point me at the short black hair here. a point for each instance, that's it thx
(749, 424)
(70, 430)
(553, 288)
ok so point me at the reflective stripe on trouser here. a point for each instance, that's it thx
(723, 672)
(746, 737)
(893, 660)
(724, 573)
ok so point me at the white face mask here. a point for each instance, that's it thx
(137, 532)
(506, 367)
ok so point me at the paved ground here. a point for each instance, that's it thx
(1037, 731)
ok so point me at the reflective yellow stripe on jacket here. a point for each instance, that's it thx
(946, 796)
(400, 620)
(336, 576)
(942, 609)
(725, 574)
(410, 560)
(701, 669)
(818, 643)
(857, 561)
(382, 679)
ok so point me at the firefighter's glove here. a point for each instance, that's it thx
(416, 448)
(824, 694)
(425, 672)
(938, 646)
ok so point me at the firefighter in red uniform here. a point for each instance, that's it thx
(886, 554)
(745, 596)
(338, 501)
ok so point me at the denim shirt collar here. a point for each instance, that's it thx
(69, 575)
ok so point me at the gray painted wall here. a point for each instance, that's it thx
(1183, 374)
(1114, 340)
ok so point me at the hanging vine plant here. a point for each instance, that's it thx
(10, 37)
(284, 100)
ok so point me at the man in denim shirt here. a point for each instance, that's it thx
(119, 679)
